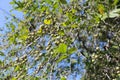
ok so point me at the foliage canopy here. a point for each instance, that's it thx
(60, 38)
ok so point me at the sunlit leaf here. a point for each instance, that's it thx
(44, 8)
(115, 2)
(97, 19)
(56, 5)
(39, 31)
(63, 78)
(116, 47)
(14, 78)
(17, 68)
(47, 21)
(74, 26)
(19, 9)
(64, 24)
(62, 48)
(101, 8)
(12, 2)
(74, 11)
(12, 39)
(61, 32)
(23, 34)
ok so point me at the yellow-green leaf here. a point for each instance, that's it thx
(74, 11)
(101, 8)
(64, 24)
(17, 68)
(62, 48)
(47, 21)
(14, 78)
(12, 2)
(12, 39)
(61, 33)
(115, 2)
(63, 78)
(97, 19)
(39, 31)
(73, 26)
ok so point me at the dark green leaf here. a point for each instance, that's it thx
(71, 50)
(1, 53)
(63, 1)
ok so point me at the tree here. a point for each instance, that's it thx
(60, 38)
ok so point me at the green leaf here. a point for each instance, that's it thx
(63, 78)
(12, 27)
(12, 2)
(74, 11)
(74, 26)
(14, 78)
(61, 58)
(115, 2)
(1, 53)
(64, 24)
(62, 48)
(39, 31)
(71, 50)
(70, 16)
(101, 8)
(56, 5)
(63, 1)
(23, 34)
(17, 68)
(19, 9)
(116, 47)
(61, 32)
(47, 21)
(12, 39)
(97, 19)
(48, 1)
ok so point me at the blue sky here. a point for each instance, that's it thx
(4, 4)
